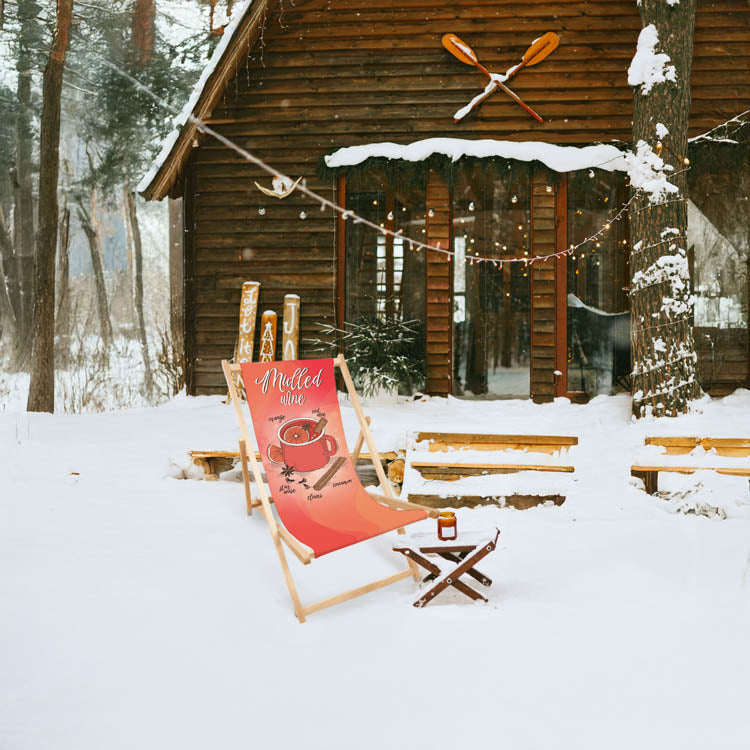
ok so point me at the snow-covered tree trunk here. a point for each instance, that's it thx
(664, 361)
(42, 383)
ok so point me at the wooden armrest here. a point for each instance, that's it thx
(393, 502)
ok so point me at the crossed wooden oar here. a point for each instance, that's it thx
(538, 50)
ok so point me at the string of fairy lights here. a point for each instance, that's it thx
(411, 243)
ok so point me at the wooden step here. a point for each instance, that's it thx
(737, 472)
(443, 441)
(519, 502)
(450, 472)
(678, 446)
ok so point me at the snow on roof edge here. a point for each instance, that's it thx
(171, 139)
(557, 158)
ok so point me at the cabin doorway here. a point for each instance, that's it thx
(491, 298)
(596, 322)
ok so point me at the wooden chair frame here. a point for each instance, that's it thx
(280, 534)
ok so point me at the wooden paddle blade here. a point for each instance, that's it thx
(459, 49)
(540, 48)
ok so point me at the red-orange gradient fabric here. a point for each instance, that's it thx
(295, 411)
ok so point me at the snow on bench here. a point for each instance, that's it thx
(518, 470)
(687, 455)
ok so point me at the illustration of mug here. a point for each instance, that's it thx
(301, 447)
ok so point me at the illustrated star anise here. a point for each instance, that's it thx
(287, 471)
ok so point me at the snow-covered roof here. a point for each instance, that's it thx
(558, 158)
(175, 149)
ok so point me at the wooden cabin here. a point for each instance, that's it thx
(296, 83)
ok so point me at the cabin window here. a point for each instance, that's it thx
(719, 253)
(491, 300)
(598, 317)
(384, 277)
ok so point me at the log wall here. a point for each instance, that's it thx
(544, 327)
(324, 75)
(439, 273)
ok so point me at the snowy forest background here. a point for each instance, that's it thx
(115, 346)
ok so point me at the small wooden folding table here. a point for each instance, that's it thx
(463, 554)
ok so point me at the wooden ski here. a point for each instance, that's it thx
(243, 348)
(267, 337)
(290, 327)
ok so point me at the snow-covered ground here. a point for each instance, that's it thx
(139, 611)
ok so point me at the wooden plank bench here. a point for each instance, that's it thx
(452, 470)
(214, 463)
(682, 446)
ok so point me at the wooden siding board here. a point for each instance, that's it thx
(376, 71)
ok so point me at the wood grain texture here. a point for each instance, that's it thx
(334, 74)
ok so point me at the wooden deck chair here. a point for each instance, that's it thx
(320, 501)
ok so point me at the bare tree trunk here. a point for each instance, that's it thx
(138, 292)
(62, 323)
(664, 359)
(144, 20)
(23, 215)
(42, 384)
(7, 311)
(129, 255)
(92, 235)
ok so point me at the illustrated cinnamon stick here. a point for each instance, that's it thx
(322, 422)
(335, 466)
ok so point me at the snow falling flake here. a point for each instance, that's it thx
(649, 67)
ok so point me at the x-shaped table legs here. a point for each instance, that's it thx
(465, 558)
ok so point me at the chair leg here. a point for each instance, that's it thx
(246, 478)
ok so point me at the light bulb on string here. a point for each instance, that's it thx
(431, 212)
(592, 174)
(514, 198)
(390, 216)
(375, 203)
(262, 211)
(471, 206)
(303, 214)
